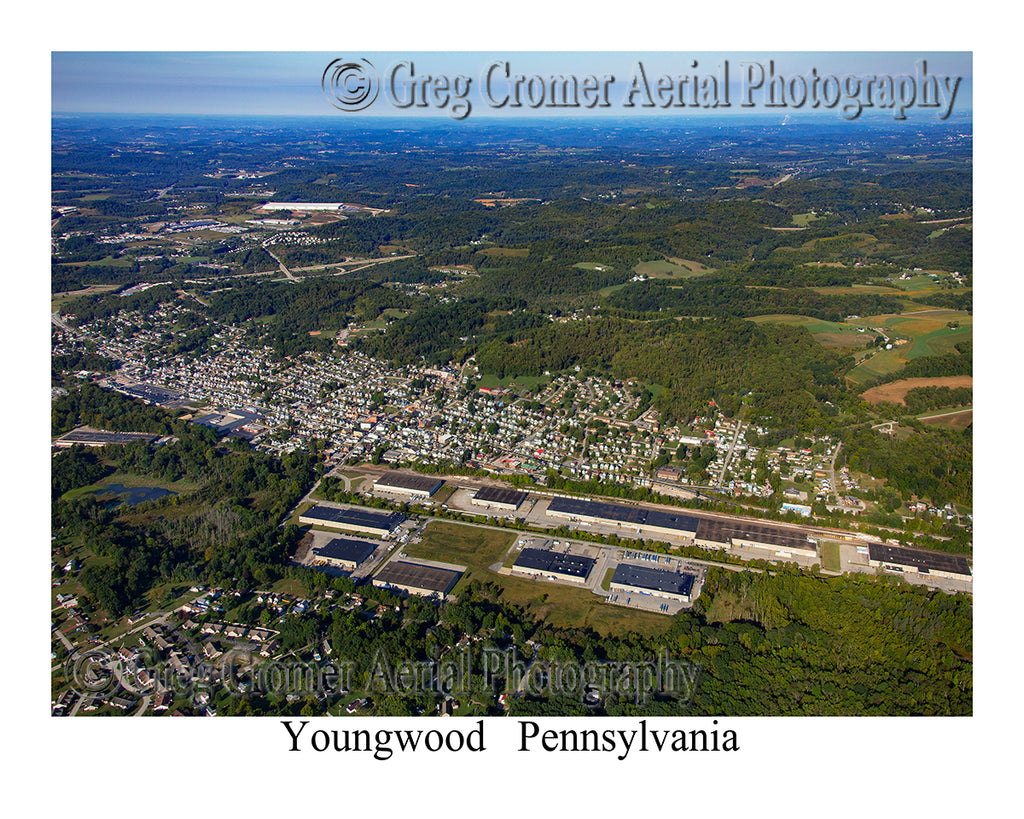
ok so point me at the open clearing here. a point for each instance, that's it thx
(671, 269)
(896, 392)
(504, 251)
(957, 420)
(804, 219)
(466, 545)
(826, 333)
(58, 300)
(129, 480)
(491, 382)
(830, 556)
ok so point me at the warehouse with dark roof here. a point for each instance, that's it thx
(630, 579)
(344, 552)
(419, 486)
(655, 521)
(352, 519)
(554, 565)
(101, 437)
(720, 533)
(499, 497)
(417, 578)
(918, 561)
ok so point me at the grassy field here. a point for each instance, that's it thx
(567, 607)
(289, 585)
(490, 381)
(915, 284)
(830, 556)
(826, 333)
(458, 543)
(504, 251)
(127, 479)
(938, 342)
(671, 269)
(804, 219)
(955, 420)
(444, 493)
(58, 300)
(858, 290)
(881, 363)
(106, 261)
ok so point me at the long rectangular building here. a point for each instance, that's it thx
(499, 497)
(101, 437)
(654, 521)
(420, 486)
(918, 561)
(632, 579)
(303, 206)
(352, 519)
(555, 565)
(721, 533)
(415, 578)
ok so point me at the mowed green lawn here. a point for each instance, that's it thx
(830, 556)
(492, 382)
(458, 543)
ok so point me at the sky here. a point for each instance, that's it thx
(290, 83)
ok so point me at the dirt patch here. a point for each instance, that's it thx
(302, 550)
(896, 392)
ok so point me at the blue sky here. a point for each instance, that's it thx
(288, 83)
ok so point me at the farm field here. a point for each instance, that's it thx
(504, 251)
(671, 268)
(915, 335)
(826, 333)
(956, 420)
(896, 391)
(858, 290)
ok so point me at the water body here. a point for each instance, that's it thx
(132, 495)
